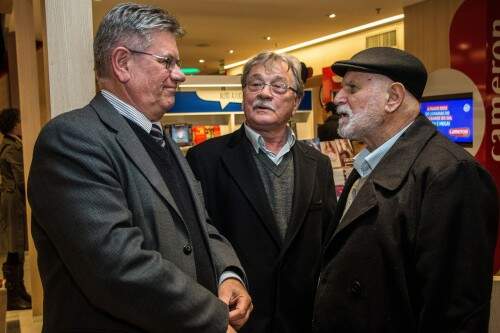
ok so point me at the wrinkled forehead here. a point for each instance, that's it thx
(276, 68)
(352, 77)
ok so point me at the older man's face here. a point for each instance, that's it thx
(360, 104)
(152, 86)
(265, 109)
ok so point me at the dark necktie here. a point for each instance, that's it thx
(157, 134)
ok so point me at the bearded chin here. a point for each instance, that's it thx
(346, 131)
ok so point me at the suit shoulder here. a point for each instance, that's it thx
(75, 118)
(80, 124)
(439, 150)
(442, 157)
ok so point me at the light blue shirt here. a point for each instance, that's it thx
(257, 142)
(129, 112)
(366, 161)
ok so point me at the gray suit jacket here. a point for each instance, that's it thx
(110, 254)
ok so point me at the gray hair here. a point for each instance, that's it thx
(267, 59)
(130, 25)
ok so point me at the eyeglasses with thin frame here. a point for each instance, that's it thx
(169, 62)
(278, 87)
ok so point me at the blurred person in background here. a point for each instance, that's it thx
(13, 209)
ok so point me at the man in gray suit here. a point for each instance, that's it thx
(118, 218)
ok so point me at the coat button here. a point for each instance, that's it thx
(187, 249)
(356, 288)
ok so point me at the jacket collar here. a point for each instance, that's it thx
(238, 160)
(132, 146)
(390, 172)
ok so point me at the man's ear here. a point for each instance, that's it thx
(120, 58)
(396, 97)
(296, 105)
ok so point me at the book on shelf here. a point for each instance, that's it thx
(204, 132)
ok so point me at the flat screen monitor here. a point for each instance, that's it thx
(181, 134)
(453, 115)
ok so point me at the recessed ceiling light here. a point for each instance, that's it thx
(328, 37)
(201, 60)
(332, 15)
(268, 38)
(231, 51)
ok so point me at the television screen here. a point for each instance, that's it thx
(181, 134)
(452, 115)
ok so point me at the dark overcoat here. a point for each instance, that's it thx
(282, 273)
(414, 252)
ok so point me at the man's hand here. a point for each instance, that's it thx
(234, 294)
(230, 329)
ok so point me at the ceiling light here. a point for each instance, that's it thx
(231, 51)
(201, 60)
(268, 38)
(332, 15)
(328, 37)
(190, 70)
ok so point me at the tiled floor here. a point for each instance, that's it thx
(25, 317)
(26, 322)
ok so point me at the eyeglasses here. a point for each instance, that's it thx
(278, 88)
(169, 61)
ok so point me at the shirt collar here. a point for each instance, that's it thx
(257, 142)
(129, 112)
(366, 161)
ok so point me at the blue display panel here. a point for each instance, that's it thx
(189, 101)
(453, 115)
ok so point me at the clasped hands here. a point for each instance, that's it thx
(235, 295)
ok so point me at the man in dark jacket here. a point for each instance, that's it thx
(118, 218)
(413, 249)
(13, 209)
(271, 195)
(329, 129)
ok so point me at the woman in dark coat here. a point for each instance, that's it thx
(13, 209)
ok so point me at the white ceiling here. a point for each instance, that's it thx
(215, 26)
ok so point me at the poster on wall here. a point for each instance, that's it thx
(341, 154)
(475, 51)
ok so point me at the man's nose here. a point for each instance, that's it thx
(266, 91)
(340, 97)
(177, 75)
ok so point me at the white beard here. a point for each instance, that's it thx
(357, 126)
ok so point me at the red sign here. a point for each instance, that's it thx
(475, 51)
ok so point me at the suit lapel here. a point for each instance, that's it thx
(240, 165)
(363, 202)
(194, 188)
(133, 147)
(304, 181)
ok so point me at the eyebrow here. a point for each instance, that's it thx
(274, 78)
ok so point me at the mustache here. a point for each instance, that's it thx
(258, 103)
(344, 110)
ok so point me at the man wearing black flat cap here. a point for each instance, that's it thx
(412, 245)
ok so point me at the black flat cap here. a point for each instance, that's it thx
(396, 64)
